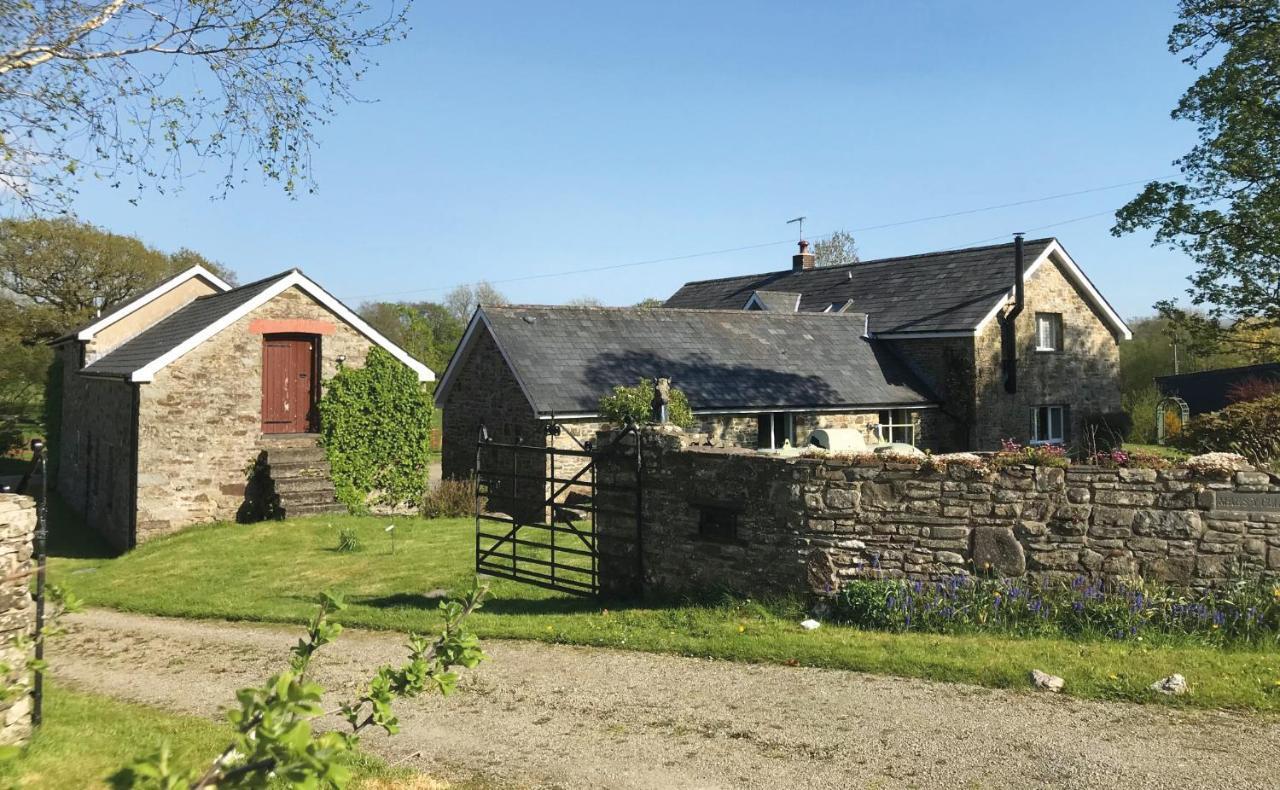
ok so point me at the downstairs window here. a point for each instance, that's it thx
(1048, 425)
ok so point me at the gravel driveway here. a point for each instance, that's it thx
(551, 716)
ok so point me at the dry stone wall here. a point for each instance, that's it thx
(808, 524)
(17, 610)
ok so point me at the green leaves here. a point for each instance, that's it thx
(375, 426)
(636, 403)
(1225, 210)
(275, 739)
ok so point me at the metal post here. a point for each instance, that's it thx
(41, 545)
(635, 430)
(551, 489)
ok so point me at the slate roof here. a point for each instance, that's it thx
(933, 292)
(567, 357)
(176, 328)
(1206, 391)
(786, 301)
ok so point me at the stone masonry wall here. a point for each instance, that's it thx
(95, 459)
(1085, 375)
(807, 524)
(17, 609)
(201, 418)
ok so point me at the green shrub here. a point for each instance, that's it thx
(1251, 428)
(349, 541)
(450, 499)
(636, 403)
(375, 425)
(1140, 405)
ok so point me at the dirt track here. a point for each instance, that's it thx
(551, 716)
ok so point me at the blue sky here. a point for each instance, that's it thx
(515, 139)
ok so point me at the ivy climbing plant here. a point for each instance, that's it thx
(375, 425)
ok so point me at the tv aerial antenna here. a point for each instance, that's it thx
(799, 221)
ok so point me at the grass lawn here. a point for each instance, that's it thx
(272, 572)
(1157, 449)
(86, 738)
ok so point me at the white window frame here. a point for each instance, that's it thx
(1048, 415)
(1052, 321)
(789, 427)
(884, 430)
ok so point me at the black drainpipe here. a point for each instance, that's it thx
(1008, 337)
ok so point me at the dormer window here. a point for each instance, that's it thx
(1048, 331)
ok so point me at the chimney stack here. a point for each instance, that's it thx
(804, 260)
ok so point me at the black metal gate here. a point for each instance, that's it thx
(539, 507)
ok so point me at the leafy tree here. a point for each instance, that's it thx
(428, 331)
(276, 743)
(143, 89)
(836, 249)
(61, 272)
(651, 302)
(463, 300)
(636, 403)
(54, 275)
(375, 428)
(1224, 211)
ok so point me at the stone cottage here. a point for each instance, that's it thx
(1014, 339)
(947, 351)
(170, 400)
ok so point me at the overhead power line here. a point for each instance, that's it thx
(762, 245)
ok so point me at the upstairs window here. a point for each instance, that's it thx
(1048, 331)
(773, 430)
(1048, 425)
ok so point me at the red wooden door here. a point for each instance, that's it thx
(290, 383)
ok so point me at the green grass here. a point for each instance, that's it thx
(86, 738)
(1161, 450)
(272, 572)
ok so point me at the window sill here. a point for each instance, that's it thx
(1048, 351)
(1046, 442)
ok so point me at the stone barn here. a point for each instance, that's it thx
(169, 401)
(758, 379)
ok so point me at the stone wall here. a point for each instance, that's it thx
(200, 420)
(807, 524)
(1084, 375)
(17, 609)
(96, 452)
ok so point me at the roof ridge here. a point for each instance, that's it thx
(258, 282)
(663, 310)
(860, 264)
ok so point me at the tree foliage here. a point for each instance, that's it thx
(428, 331)
(56, 274)
(1224, 211)
(62, 272)
(463, 300)
(636, 403)
(837, 249)
(146, 89)
(276, 742)
(375, 425)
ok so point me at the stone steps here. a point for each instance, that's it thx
(301, 475)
